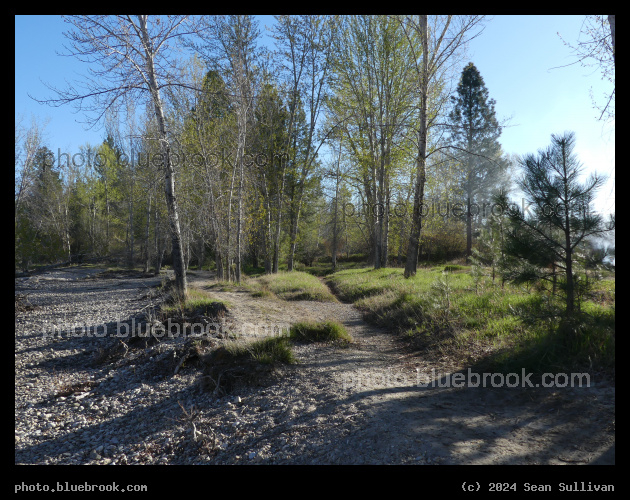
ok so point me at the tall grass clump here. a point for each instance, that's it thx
(196, 302)
(326, 331)
(236, 364)
(269, 351)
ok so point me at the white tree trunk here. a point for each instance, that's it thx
(171, 200)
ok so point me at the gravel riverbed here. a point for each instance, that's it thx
(73, 408)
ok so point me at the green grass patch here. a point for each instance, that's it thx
(455, 268)
(263, 293)
(224, 286)
(201, 300)
(501, 327)
(235, 364)
(324, 267)
(295, 285)
(506, 328)
(197, 302)
(320, 269)
(584, 344)
(327, 331)
(355, 284)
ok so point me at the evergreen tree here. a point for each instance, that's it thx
(475, 132)
(39, 227)
(543, 242)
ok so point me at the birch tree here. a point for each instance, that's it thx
(129, 57)
(27, 142)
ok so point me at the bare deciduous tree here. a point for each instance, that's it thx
(305, 44)
(27, 142)
(128, 58)
(441, 42)
(596, 47)
(229, 43)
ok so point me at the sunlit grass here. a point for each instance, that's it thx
(294, 285)
(272, 350)
(508, 326)
(225, 286)
(196, 301)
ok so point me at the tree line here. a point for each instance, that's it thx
(336, 138)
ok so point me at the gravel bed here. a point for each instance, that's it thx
(71, 407)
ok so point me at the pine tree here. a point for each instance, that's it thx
(475, 132)
(541, 242)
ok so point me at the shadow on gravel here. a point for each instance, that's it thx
(492, 425)
(84, 440)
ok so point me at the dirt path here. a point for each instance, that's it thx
(402, 412)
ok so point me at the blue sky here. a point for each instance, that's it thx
(515, 56)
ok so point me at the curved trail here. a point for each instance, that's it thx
(403, 412)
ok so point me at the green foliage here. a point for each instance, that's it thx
(42, 222)
(442, 291)
(269, 351)
(477, 273)
(449, 268)
(374, 109)
(501, 328)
